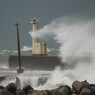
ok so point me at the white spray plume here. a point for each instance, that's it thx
(77, 39)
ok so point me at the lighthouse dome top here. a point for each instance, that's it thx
(35, 20)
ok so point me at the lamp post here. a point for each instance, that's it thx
(19, 70)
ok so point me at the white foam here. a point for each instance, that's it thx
(77, 38)
(26, 48)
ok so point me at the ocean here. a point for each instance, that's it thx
(26, 51)
(40, 79)
(35, 78)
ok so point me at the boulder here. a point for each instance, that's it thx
(1, 87)
(92, 87)
(44, 92)
(5, 92)
(19, 92)
(11, 88)
(33, 92)
(56, 92)
(27, 88)
(51, 91)
(78, 86)
(85, 91)
(65, 90)
(30, 91)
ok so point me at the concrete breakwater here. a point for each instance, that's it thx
(78, 88)
(33, 78)
(36, 62)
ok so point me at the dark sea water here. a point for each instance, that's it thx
(37, 79)
(45, 79)
(4, 55)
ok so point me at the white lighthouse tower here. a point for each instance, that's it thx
(38, 48)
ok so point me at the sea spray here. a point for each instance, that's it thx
(58, 78)
(33, 78)
(8, 80)
(77, 38)
(28, 80)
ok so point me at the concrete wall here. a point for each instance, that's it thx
(36, 62)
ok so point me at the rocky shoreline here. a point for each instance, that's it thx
(78, 88)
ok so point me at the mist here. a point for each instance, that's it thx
(77, 38)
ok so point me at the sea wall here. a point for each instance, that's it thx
(36, 62)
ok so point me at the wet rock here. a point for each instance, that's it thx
(51, 91)
(85, 91)
(30, 91)
(44, 92)
(11, 88)
(33, 92)
(56, 92)
(19, 92)
(65, 90)
(78, 86)
(1, 87)
(92, 87)
(5, 92)
(27, 88)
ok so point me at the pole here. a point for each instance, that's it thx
(18, 43)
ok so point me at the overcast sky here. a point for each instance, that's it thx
(23, 11)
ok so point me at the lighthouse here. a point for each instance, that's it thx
(39, 59)
(38, 48)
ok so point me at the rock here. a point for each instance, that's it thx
(1, 87)
(30, 91)
(19, 92)
(5, 92)
(51, 91)
(78, 86)
(33, 92)
(27, 88)
(11, 88)
(85, 91)
(65, 90)
(92, 87)
(56, 92)
(44, 92)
